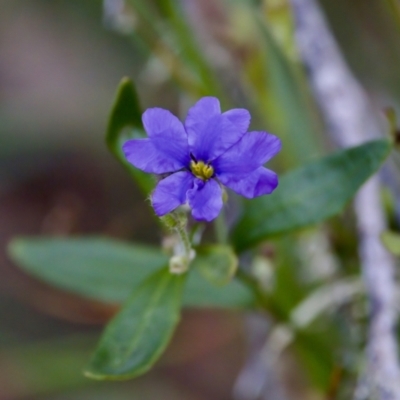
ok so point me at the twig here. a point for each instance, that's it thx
(259, 379)
(352, 121)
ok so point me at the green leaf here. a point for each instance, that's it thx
(108, 270)
(216, 263)
(391, 240)
(200, 293)
(286, 104)
(125, 112)
(189, 50)
(164, 26)
(281, 92)
(94, 267)
(137, 336)
(316, 351)
(125, 122)
(309, 194)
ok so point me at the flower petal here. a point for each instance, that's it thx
(197, 121)
(249, 153)
(166, 149)
(259, 182)
(210, 133)
(167, 133)
(201, 112)
(171, 192)
(240, 117)
(148, 156)
(209, 139)
(205, 199)
(158, 122)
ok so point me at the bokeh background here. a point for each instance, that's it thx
(60, 64)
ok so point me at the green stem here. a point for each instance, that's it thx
(221, 230)
(183, 235)
(266, 302)
(177, 222)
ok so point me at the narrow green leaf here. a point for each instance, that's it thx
(137, 336)
(125, 122)
(309, 194)
(216, 263)
(125, 112)
(164, 26)
(289, 108)
(108, 270)
(317, 355)
(391, 240)
(190, 50)
(94, 267)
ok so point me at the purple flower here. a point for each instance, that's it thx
(210, 149)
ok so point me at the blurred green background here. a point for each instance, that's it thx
(60, 63)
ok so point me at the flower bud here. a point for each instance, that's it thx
(178, 264)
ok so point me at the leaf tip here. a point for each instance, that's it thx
(125, 80)
(92, 375)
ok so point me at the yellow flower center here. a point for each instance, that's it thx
(201, 170)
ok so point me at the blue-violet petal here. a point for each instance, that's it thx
(240, 117)
(205, 200)
(170, 192)
(209, 140)
(150, 157)
(252, 151)
(167, 133)
(257, 183)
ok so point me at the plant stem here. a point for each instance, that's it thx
(266, 302)
(184, 237)
(220, 228)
